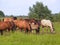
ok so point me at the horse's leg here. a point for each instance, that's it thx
(8, 30)
(42, 29)
(26, 30)
(12, 29)
(29, 29)
(21, 29)
(37, 30)
(47, 29)
(1, 31)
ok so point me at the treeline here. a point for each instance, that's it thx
(56, 17)
(38, 11)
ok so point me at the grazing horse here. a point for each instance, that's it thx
(5, 26)
(22, 24)
(47, 23)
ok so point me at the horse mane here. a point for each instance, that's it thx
(14, 18)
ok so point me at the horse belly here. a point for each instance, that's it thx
(3, 27)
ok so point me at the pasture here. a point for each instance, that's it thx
(20, 38)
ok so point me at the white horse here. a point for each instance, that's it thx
(47, 23)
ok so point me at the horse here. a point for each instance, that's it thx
(22, 24)
(34, 24)
(47, 23)
(8, 19)
(5, 26)
(11, 20)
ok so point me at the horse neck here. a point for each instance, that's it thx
(51, 28)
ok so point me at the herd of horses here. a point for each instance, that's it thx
(26, 25)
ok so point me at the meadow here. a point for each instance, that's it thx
(20, 38)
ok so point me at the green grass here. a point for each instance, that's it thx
(20, 38)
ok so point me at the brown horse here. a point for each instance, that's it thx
(5, 26)
(22, 24)
(13, 27)
(8, 19)
(34, 24)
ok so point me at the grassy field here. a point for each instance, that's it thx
(20, 38)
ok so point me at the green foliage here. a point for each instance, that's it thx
(1, 14)
(56, 17)
(39, 11)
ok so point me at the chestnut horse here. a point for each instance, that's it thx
(5, 26)
(47, 23)
(13, 27)
(22, 24)
(8, 19)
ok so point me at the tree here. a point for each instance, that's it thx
(56, 17)
(1, 14)
(39, 11)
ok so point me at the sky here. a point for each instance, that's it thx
(21, 7)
